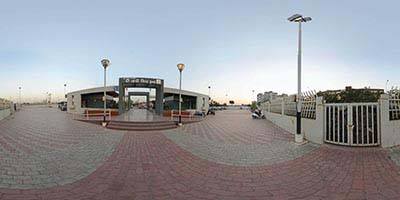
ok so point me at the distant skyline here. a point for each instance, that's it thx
(233, 46)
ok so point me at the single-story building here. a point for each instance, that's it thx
(157, 97)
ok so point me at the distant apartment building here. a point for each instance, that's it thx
(266, 96)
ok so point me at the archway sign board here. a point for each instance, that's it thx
(132, 82)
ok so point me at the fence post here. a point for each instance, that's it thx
(317, 132)
(350, 125)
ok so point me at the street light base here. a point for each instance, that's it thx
(104, 124)
(298, 139)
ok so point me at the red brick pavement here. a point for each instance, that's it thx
(149, 166)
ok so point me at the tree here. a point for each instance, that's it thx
(351, 96)
(253, 105)
(214, 103)
(231, 102)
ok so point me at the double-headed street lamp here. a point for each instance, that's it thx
(180, 66)
(299, 19)
(105, 63)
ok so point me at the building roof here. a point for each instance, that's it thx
(113, 90)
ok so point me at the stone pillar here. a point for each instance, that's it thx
(121, 97)
(160, 98)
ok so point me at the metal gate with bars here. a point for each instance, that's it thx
(352, 124)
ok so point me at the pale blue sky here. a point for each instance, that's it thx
(234, 46)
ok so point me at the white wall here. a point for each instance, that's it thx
(312, 129)
(202, 100)
(74, 103)
(390, 130)
(5, 113)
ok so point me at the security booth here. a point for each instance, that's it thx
(132, 82)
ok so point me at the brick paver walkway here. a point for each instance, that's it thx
(43, 147)
(149, 165)
(236, 139)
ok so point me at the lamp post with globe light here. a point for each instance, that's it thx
(65, 90)
(180, 66)
(105, 63)
(20, 95)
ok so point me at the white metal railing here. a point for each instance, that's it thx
(309, 105)
(93, 116)
(394, 104)
(288, 105)
(352, 124)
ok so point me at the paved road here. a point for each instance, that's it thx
(161, 165)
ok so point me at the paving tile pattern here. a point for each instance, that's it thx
(233, 138)
(239, 154)
(44, 147)
(150, 166)
(237, 127)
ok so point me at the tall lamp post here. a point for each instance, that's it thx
(49, 102)
(209, 95)
(299, 19)
(180, 66)
(253, 94)
(386, 90)
(65, 90)
(20, 95)
(105, 63)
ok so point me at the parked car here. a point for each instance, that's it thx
(62, 105)
(211, 111)
(199, 113)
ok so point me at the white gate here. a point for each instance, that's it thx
(352, 124)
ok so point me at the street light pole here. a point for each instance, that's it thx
(386, 90)
(253, 95)
(20, 96)
(65, 90)
(299, 18)
(180, 66)
(105, 64)
(49, 103)
(209, 95)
